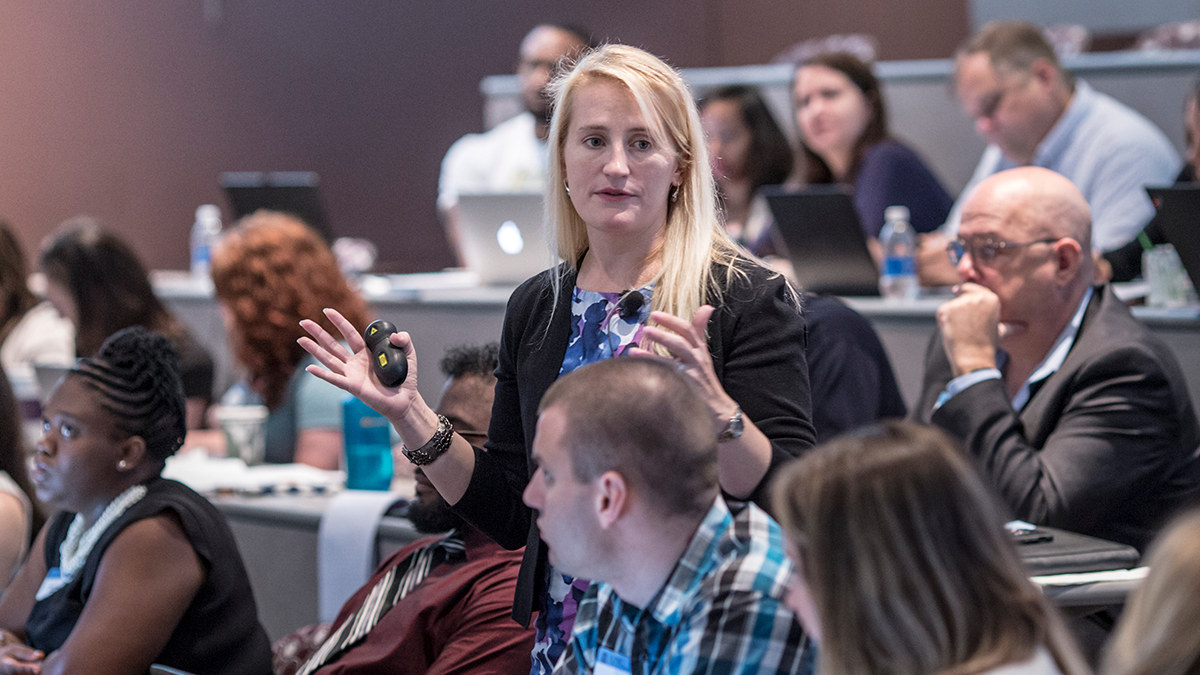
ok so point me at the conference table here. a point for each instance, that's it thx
(278, 535)
(444, 310)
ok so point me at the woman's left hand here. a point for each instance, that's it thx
(687, 343)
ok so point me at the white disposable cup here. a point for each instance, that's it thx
(245, 431)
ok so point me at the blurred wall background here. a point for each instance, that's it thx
(129, 110)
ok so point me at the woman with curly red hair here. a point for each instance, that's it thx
(271, 271)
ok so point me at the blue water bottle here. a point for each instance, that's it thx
(368, 447)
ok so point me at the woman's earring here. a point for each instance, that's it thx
(674, 193)
(568, 187)
(122, 465)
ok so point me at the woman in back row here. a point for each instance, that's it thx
(747, 150)
(95, 280)
(845, 139)
(269, 272)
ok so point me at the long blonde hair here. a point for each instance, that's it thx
(909, 565)
(694, 238)
(1157, 632)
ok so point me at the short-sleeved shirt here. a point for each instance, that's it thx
(308, 403)
(508, 158)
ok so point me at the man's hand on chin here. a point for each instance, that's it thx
(970, 327)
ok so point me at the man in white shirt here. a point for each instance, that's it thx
(1032, 112)
(512, 156)
(1077, 415)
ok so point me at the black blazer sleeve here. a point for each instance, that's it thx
(757, 339)
(1111, 442)
(532, 347)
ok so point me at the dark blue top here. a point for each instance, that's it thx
(892, 174)
(848, 369)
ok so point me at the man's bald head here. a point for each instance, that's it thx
(1031, 203)
(1041, 202)
(1026, 237)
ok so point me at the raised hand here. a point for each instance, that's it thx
(687, 343)
(350, 368)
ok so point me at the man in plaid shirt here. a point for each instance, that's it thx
(626, 493)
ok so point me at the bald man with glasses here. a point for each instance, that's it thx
(1079, 417)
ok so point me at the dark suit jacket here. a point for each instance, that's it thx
(757, 341)
(1106, 446)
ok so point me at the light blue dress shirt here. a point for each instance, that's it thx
(1109, 151)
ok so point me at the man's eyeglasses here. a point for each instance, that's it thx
(985, 249)
(991, 103)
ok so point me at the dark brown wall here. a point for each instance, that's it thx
(129, 110)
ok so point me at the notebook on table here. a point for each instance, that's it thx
(1049, 550)
(820, 232)
(503, 238)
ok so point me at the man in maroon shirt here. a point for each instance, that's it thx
(457, 617)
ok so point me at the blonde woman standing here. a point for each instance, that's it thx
(648, 266)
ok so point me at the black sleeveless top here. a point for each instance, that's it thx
(218, 633)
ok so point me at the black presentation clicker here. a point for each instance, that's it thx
(389, 362)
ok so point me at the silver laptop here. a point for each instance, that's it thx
(503, 237)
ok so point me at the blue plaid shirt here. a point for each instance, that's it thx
(721, 610)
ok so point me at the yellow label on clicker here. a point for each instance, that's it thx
(383, 359)
(374, 331)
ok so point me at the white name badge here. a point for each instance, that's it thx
(609, 662)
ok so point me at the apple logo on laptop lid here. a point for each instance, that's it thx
(509, 238)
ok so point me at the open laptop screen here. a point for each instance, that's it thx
(292, 192)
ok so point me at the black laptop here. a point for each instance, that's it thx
(819, 229)
(291, 192)
(1179, 216)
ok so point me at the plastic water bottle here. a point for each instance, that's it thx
(205, 234)
(898, 279)
(366, 436)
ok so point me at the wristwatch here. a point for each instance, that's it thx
(434, 447)
(733, 428)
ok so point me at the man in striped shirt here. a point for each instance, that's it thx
(626, 493)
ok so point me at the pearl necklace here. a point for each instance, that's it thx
(74, 550)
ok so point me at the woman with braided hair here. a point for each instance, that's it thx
(135, 569)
